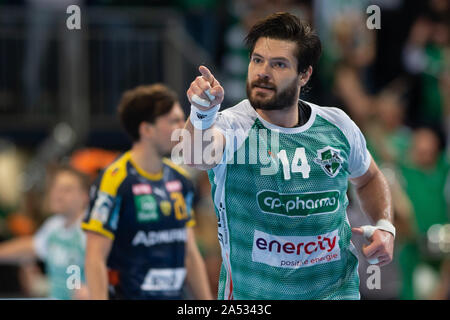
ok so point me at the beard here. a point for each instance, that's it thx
(279, 100)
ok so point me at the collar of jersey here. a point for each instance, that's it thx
(293, 130)
(145, 174)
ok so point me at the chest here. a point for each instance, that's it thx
(149, 205)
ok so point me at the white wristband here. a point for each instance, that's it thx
(203, 119)
(386, 225)
(382, 224)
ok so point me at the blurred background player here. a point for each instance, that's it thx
(59, 242)
(140, 243)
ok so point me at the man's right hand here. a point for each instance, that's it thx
(203, 83)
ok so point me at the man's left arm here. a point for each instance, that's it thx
(375, 197)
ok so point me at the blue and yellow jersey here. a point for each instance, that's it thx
(146, 217)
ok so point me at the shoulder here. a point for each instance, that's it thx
(179, 173)
(49, 226)
(179, 170)
(239, 116)
(338, 118)
(54, 222)
(114, 175)
(332, 114)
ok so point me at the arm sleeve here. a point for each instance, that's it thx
(234, 123)
(360, 158)
(102, 215)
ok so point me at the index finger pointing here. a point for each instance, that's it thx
(206, 74)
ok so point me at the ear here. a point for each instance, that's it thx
(145, 129)
(304, 77)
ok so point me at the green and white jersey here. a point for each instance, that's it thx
(280, 199)
(62, 249)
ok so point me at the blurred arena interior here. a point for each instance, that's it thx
(59, 91)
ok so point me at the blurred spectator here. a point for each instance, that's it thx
(348, 51)
(426, 179)
(353, 53)
(60, 243)
(427, 54)
(388, 138)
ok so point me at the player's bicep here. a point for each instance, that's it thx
(363, 179)
(97, 245)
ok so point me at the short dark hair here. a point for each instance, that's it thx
(144, 104)
(285, 26)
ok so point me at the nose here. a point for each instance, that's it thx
(264, 71)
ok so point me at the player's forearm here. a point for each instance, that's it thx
(375, 198)
(203, 149)
(97, 278)
(197, 278)
(17, 250)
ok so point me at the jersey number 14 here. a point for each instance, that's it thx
(299, 163)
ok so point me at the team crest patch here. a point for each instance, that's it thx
(330, 160)
(166, 207)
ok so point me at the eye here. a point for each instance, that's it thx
(256, 60)
(281, 65)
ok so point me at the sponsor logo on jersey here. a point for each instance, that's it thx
(164, 279)
(152, 238)
(114, 172)
(102, 207)
(146, 208)
(166, 207)
(294, 251)
(174, 186)
(298, 204)
(141, 188)
(329, 160)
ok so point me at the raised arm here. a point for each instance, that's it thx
(203, 149)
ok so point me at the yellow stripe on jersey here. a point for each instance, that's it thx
(114, 175)
(96, 226)
(145, 174)
(177, 168)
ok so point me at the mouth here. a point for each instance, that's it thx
(264, 88)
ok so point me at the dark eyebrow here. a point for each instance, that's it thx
(275, 58)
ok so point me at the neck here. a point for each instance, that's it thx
(146, 157)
